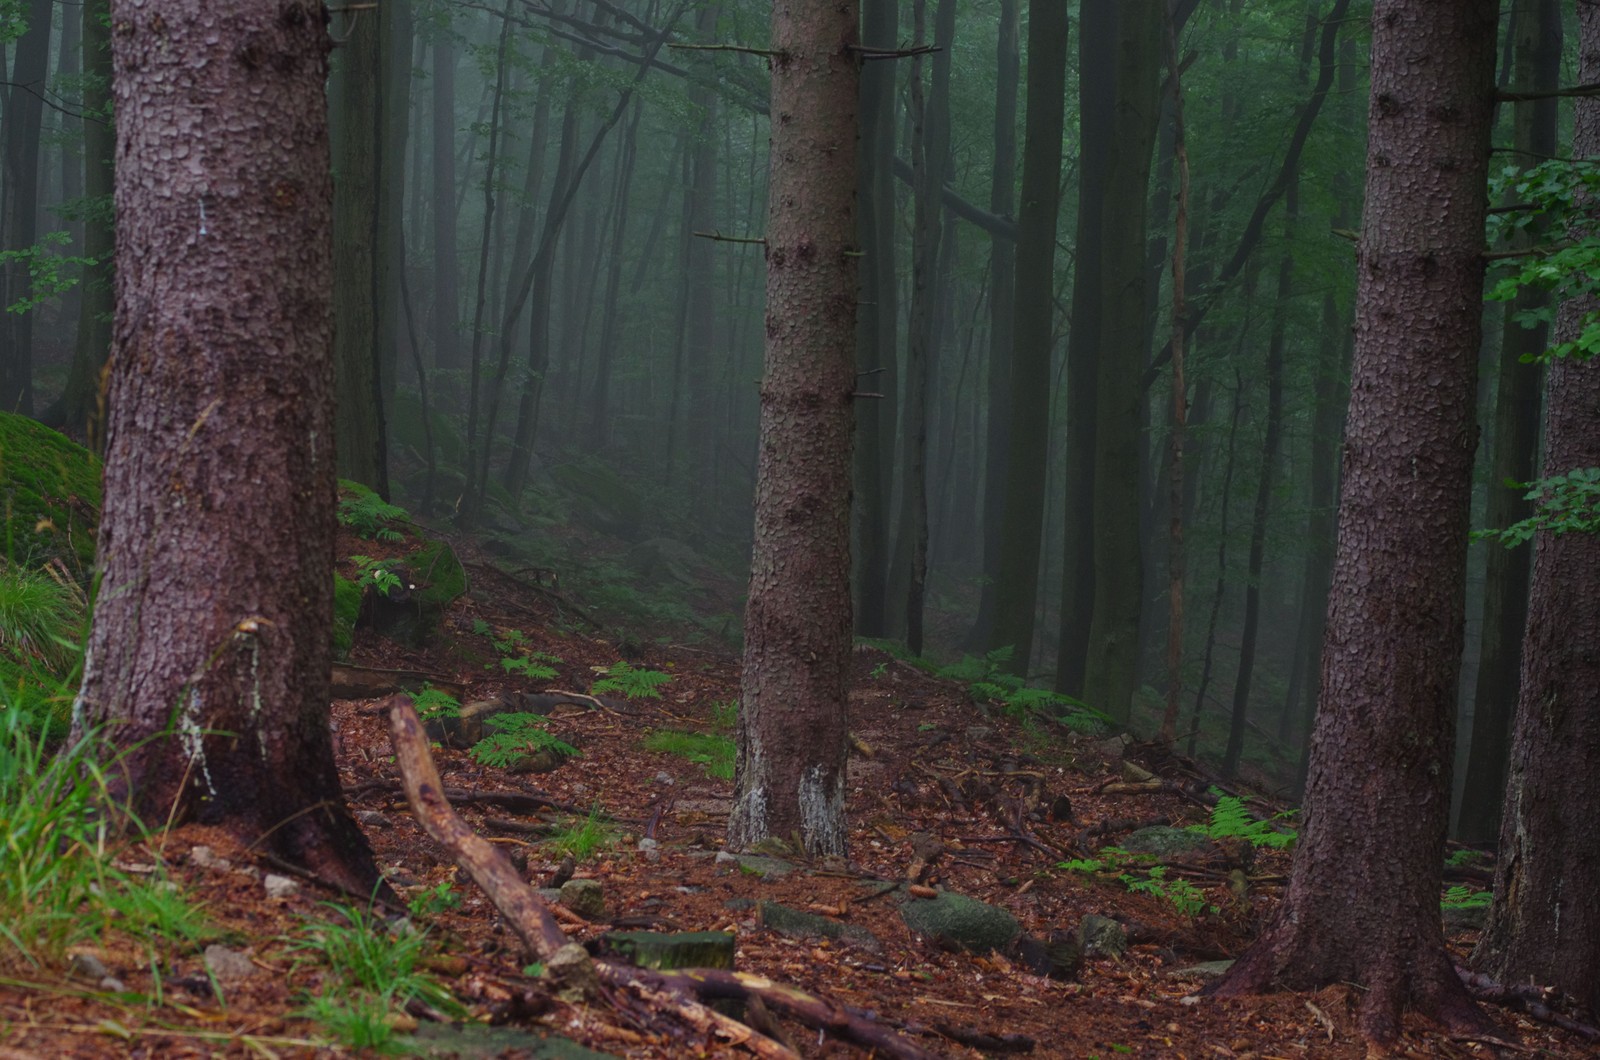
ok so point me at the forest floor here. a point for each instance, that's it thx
(943, 791)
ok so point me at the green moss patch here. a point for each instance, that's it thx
(49, 496)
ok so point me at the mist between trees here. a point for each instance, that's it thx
(556, 262)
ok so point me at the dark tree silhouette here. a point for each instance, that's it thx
(1362, 903)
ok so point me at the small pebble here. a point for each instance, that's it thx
(87, 966)
(280, 886)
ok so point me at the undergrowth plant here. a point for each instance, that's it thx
(368, 515)
(724, 714)
(712, 751)
(584, 840)
(988, 681)
(432, 704)
(1460, 896)
(521, 734)
(516, 654)
(372, 972)
(624, 680)
(1137, 873)
(1229, 819)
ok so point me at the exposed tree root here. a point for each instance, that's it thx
(673, 993)
(1530, 999)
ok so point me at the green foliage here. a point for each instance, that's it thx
(521, 734)
(627, 681)
(515, 657)
(1463, 897)
(432, 704)
(41, 618)
(55, 862)
(376, 573)
(49, 274)
(583, 841)
(49, 496)
(1139, 876)
(1229, 818)
(435, 900)
(368, 515)
(1465, 856)
(988, 681)
(1552, 197)
(372, 972)
(346, 610)
(155, 908)
(1564, 504)
(725, 714)
(713, 752)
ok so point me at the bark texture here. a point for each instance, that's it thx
(1362, 903)
(1544, 926)
(790, 776)
(209, 657)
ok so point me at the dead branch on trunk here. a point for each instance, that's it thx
(670, 992)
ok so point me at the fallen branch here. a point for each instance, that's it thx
(532, 921)
(1529, 998)
(367, 682)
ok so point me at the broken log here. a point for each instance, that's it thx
(531, 919)
(367, 682)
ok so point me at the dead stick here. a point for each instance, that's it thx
(533, 922)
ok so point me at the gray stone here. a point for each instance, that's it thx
(1100, 936)
(1204, 970)
(87, 966)
(798, 924)
(112, 985)
(756, 865)
(280, 886)
(669, 950)
(206, 858)
(228, 966)
(1164, 841)
(960, 922)
(373, 819)
(584, 897)
(1057, 957)
(664, 777)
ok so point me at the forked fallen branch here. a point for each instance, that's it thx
(677, 993)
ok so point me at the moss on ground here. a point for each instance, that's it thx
(49, 496)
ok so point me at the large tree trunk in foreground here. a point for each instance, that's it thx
(210, 651)
(790, 777)
(1362, 903)
(1544, 926)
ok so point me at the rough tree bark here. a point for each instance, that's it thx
(209, 656)
(1544, 926)
(1362, 902)
(790, 776)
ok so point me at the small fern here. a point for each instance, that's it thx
(634, 684)
(1461, 896)
(367, 514)
(433, 704)
(520, 734)
(1229, 818)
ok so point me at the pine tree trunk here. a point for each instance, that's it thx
(210, 651)
(1362, 902)
(789, 781)
(1544, 926)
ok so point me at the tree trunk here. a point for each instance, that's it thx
(930, 151)
(1362, 902)
(81, 406)
(1002, 303)
(19, 202)
(1016, 590)
(1515, 434)
(1111, 674)
(1544, 926)
(358, 155)
(446, 299)
(210, 651)
(878, 325)
(790, 777)
(394, 113)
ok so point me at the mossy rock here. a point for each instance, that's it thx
(959, 922)
(440, 577)
(670, 951)
(49, 496)
(605, 501)
(346, 609)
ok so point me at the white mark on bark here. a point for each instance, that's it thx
(192, 736)
(821, 811)
(202, 199)
(751, 813)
